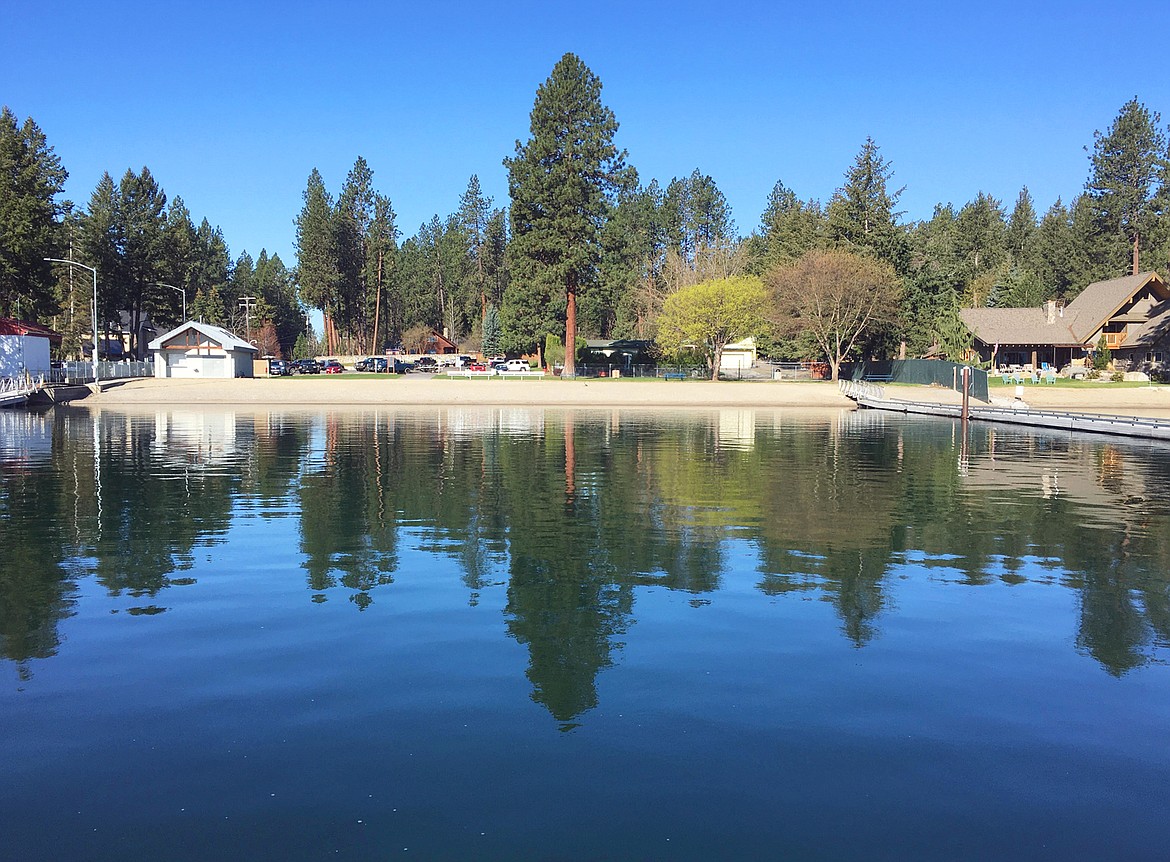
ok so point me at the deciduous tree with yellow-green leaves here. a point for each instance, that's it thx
(710, 315)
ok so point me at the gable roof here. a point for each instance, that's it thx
(1098, 302)
(225, 339)
(1073, 325)
(1154, 327)
(12, 326)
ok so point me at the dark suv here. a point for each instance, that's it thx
(376, 364)
(278, 368)
(306, 366)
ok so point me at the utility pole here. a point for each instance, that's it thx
(247, 303)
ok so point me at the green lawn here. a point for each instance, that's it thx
(996, 382)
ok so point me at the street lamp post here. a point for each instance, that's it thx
(95, 308)
(182, 292)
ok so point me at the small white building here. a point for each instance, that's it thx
(197, 350)
(738, 355)
(24, 347)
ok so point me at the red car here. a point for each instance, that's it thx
(332, 366)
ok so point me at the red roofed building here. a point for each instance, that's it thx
(24, 347)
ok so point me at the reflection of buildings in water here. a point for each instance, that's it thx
(462, 423)
(206, 436)
(737, 429)
(25, 437)
(521, 421)
(1093, 473)
(470, 422)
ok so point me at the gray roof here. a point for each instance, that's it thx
(226, 340)
(1018, 326)
(1100, 301)
(1081, 318)
(1155, 327)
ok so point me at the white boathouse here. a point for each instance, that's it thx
(197, 350)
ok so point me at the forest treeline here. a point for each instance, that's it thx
(583, 245)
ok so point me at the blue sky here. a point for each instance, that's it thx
(231, 105)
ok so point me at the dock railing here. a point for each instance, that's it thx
(858, 389)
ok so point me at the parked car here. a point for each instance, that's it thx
(427, 363)
(499, 366)
(306, 366)
(279, 368)
(332, 366)
(517, 365)
(400, 366)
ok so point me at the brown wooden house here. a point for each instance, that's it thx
(1133, 313)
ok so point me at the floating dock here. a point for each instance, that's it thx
(1094, 423)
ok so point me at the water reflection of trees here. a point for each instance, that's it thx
(575, 510)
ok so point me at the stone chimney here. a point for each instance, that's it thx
(1050, 311)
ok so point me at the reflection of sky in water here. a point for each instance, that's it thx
(722, 628)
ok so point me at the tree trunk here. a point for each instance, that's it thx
(1136, 239)
(717, 362)
(377, 306)
(571, 334)
(834, 368)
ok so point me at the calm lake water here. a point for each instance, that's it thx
(525, 634)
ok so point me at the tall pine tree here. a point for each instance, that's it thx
(31, 177)
(318, 275)
(1128, 162)
(560, 182)
(862, 214)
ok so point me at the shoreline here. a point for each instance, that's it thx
(1150, 401)
(430, 391)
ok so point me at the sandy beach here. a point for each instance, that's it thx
(422, 390)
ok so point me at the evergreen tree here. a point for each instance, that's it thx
(1021, 229)
(696, 216)
(1127, 166)
(179, 243)
(474, 212)
(980, 235)
(862, 215)
(1055, 251)
(560, 182)
(100, 244)
(631, 261)
(495, 256)
(936, 278)
(788, 228)
(31, 177)
(207, 306)
(491, 332)
(318, 275)
(352, 219)
(381, 256)
(125, 233)
(73, 294)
